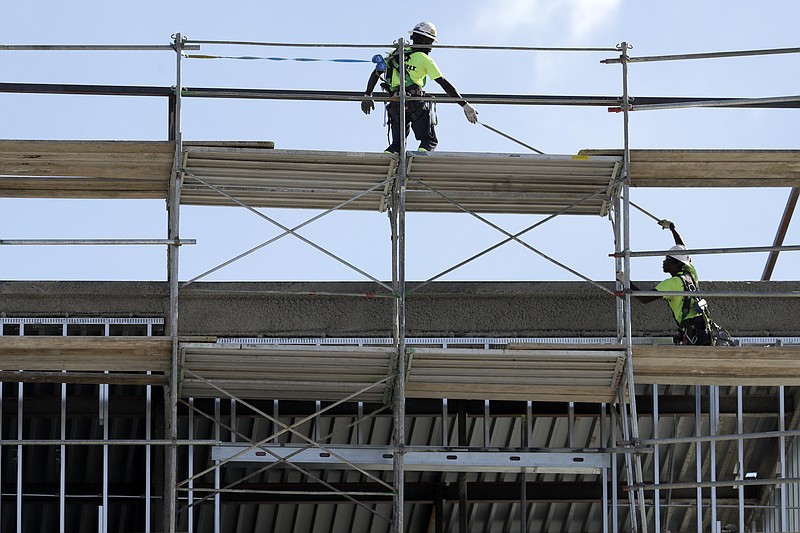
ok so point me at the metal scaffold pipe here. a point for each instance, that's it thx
(715, 438)
(93, 47)
(721, 294)
(104, 242)
(706, 55)
(709, 484)
(733, 102)
(392, 45)
(708, 251)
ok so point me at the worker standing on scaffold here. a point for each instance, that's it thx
(419, 66)
(690, 312)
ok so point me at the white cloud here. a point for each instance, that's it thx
(576, 21)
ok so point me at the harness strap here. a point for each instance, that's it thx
(393, 65)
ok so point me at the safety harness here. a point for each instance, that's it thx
(691, 302)
(692, 330)
(392, 66)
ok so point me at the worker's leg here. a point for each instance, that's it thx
(423, 128)
(394, 127)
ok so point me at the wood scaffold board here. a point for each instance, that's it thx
(85, 169)
(716, 365)
(711, 168)
(557, 373)
(282, 372)
(60, 359)
(553, 373)
(480, 182)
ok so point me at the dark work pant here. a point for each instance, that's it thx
(694, 331)
(418, 118)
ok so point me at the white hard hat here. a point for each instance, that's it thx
(426, 29)
(683, 258)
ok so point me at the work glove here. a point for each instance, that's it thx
(367, 104)
(470, 113)
(666, 224)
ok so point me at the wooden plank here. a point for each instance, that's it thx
(33, 146)
(298, 358)
(706, 365)
(294, 390)
(120, 354)
(565, 347)
(289, 376)
(85, 169)
(565, 356)
(519, 367)
(87, 158)
(280, 393)
(229, 145)
(712, 168)
(96, 378)
(505, 392)
(32, 192)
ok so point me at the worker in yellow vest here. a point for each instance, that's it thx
(419, 66)
(690, 312)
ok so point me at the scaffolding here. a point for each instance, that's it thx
(605, 373)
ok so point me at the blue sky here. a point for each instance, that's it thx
(707, 218)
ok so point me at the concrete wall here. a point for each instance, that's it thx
(460, 309)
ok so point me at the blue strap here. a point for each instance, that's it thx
(251, 58)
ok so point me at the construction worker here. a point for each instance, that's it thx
(690, 312)
(419, 66)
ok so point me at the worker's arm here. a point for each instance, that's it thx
(666, 224)
(367, 104)
(643, 299)
(452, 92)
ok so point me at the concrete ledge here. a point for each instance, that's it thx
(459, 309)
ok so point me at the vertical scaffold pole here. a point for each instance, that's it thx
(626, 215)
(618, 268)
(399, 282)
(782, 450)
(740, 454)
(656, 462)
(173, 216)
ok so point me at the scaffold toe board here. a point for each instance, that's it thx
(438, 182)
(85, 169)
(711, 168)
(96, 359)
(547, 373)
(717, 365)
(283, 372)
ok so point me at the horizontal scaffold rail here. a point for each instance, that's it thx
(346, 96)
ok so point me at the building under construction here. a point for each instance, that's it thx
(390, 405)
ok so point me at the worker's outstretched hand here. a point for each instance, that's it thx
(666, 224)
(367, 105)
(470, 113)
